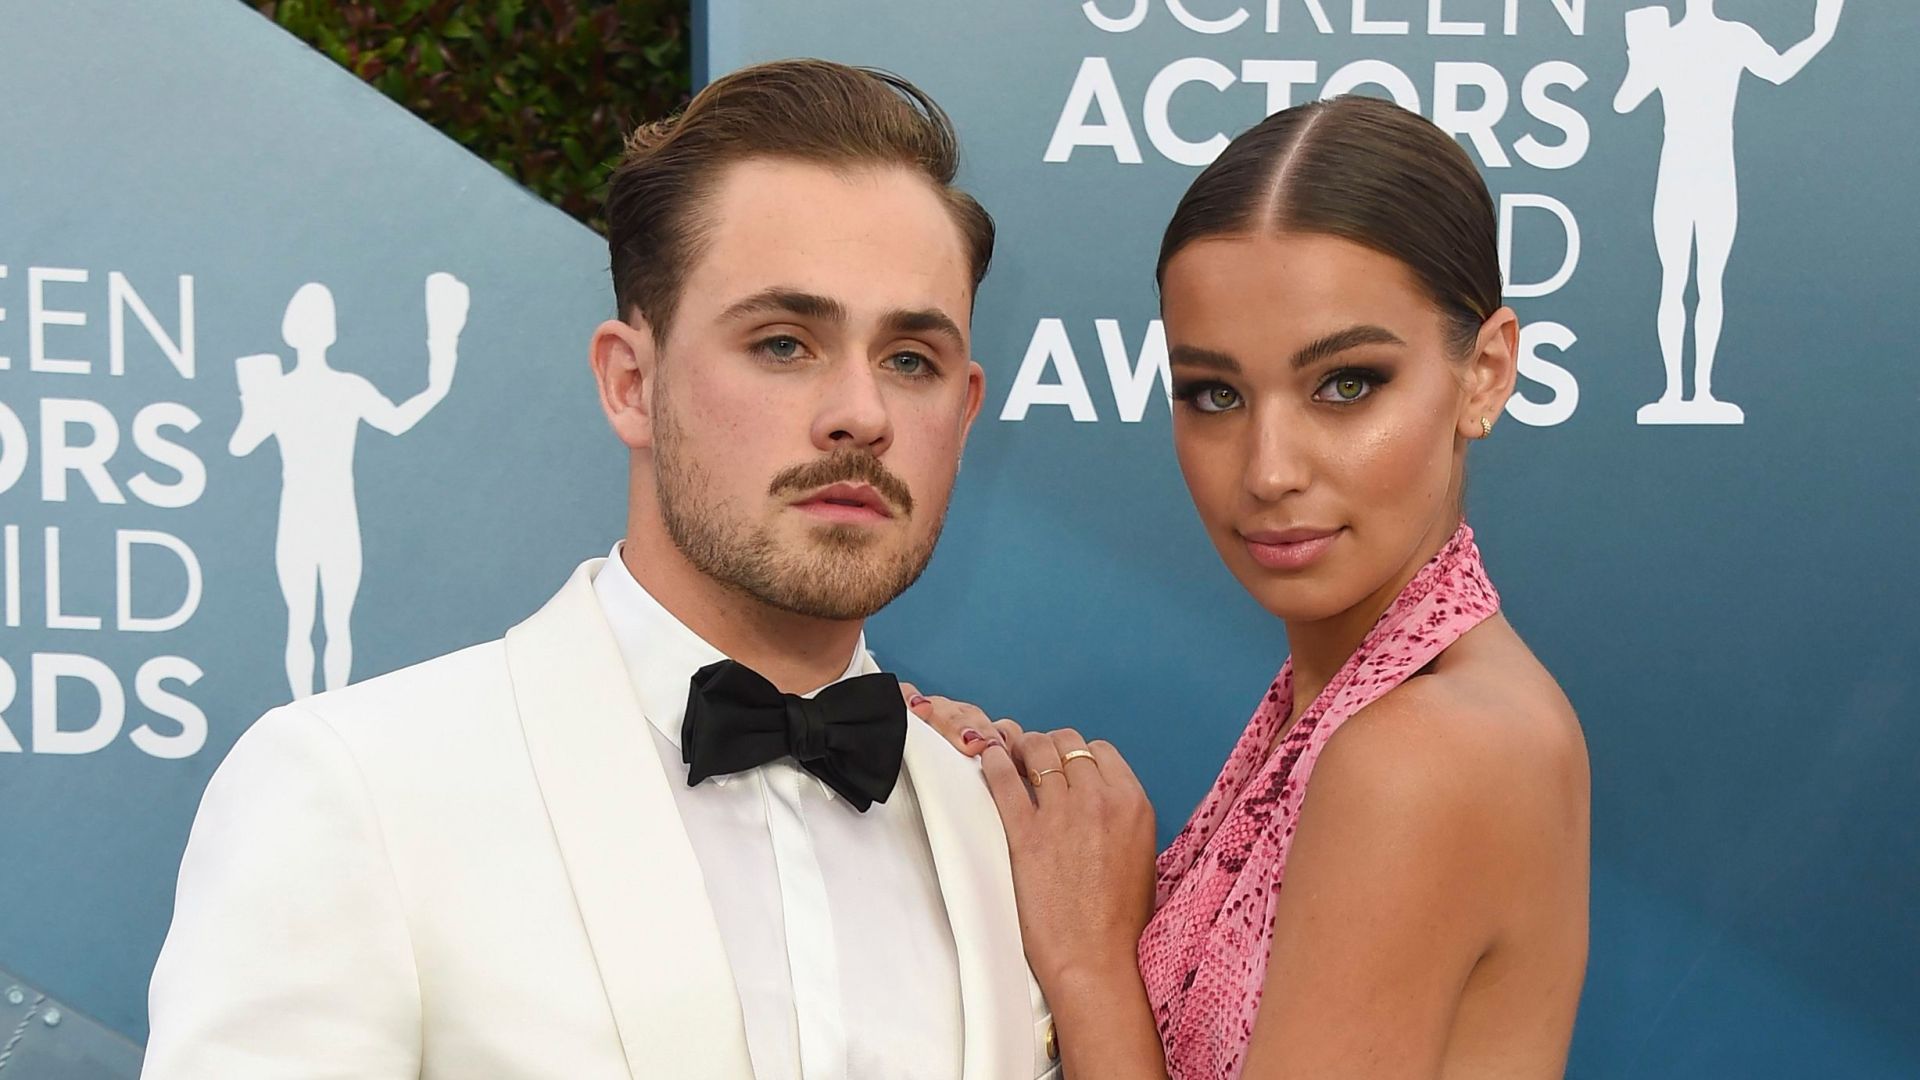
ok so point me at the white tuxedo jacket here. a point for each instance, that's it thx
(473, 868)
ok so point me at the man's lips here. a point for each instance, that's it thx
(846, 502)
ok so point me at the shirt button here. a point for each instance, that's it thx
(1053, 1043)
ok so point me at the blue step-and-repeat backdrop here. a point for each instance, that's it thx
(230, 472)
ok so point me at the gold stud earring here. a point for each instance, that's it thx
(1486, 427)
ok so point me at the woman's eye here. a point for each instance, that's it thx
(1211, 397)
(1220, 399)
(1343, 387)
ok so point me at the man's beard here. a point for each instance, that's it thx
(835, 573)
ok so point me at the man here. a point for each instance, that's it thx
(627, 840)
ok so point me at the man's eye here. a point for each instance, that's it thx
(912, 364)
(780, 347)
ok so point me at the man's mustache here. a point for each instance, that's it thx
(846, 467)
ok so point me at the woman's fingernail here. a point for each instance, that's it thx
(970, 736)
(916, 701)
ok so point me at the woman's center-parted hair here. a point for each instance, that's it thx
(1368, 171)
(811, 111)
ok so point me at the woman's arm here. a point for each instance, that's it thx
(1106, 1027)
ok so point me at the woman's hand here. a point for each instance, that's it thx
(1080, 834)
(963, 725)
(1081, 839)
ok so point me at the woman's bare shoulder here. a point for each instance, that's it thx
(1485, 739)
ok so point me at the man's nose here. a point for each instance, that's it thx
(852, 410)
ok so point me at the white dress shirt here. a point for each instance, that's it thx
(832, 919)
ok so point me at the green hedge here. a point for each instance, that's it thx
(544, 89)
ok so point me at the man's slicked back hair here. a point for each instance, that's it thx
(811, 111)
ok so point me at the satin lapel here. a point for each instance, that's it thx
(970, 857)
(633, 871)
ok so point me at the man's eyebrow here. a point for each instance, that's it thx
(784, 301)
(925, 321)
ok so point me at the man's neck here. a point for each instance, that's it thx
(796, 653)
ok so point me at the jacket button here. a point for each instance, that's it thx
(1053, 1043)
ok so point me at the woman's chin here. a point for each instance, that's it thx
(1299, 600)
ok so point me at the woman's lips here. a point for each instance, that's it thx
(1289, 549)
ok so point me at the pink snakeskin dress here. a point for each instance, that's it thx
(1204, 954)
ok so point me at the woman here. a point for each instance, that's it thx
(1331, 293)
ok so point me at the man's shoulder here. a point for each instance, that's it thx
(444, 727)
(945, 777)
(448, 698)
(462, 673)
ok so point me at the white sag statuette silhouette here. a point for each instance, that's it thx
(1697, 65)
(314, 411)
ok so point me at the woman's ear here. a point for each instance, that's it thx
(1491, 370)
(626, 366)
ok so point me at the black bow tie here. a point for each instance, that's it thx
(851, 735)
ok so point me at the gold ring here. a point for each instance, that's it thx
(1034, 779)
(1074, 754)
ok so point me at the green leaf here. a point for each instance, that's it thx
(543, 91)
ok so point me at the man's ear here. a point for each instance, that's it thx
(976, 393)
(1490, 373)
(626, 366)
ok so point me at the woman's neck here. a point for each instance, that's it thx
(1322, 647)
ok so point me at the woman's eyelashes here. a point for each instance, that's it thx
(1346, 386)
(1206, 396)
